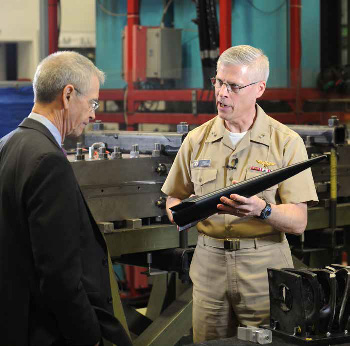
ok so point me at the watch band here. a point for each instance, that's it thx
(266, 212)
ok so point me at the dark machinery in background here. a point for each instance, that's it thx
(310, 305)
(208, 38)
(121, 174)
(325, 236)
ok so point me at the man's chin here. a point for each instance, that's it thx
(222, 115)
(77, 132)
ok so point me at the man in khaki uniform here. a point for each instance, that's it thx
(235, 246)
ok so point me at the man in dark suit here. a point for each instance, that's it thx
(54, 279)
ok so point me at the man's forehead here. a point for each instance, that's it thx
(94, 88)
(233, 73)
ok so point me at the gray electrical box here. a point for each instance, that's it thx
(164, 55)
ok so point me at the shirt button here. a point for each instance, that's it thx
(105, 262)
(200, 180)
(109, 300)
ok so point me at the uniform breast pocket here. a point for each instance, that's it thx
(270, 193)
(204, 180)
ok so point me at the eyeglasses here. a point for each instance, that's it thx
(94, 104)
(218, 83)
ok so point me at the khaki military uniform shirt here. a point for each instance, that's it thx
(201, 164)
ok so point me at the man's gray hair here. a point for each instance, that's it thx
(60, 69)
(248, 56)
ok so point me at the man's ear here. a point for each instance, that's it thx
(67, 95)
(261, 88)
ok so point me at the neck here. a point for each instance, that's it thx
(241, 124)
(54, 114)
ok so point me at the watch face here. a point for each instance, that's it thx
(266, 212)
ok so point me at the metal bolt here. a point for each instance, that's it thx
(333, 121)
(182, 127)
(79, 156)
(161, 169)
(102, 155)
(98, 126)
(134, 153)
(117, 154)
(156, 150)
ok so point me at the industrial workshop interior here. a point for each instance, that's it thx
(163, 89)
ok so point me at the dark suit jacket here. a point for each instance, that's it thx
(54, 279)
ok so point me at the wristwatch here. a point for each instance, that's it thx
(266, 212)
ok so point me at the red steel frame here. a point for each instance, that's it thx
(295, 96)
(53, 28)
(225, 8)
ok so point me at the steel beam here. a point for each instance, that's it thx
(148, 238)
(225, 9)
(295, 41)
(53, 29)
(318, 217)
(132, 19)
(171, 325)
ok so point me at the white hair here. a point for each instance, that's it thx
(248, 56)
(60, 69)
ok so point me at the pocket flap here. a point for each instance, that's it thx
(204, 175)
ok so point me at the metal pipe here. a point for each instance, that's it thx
(295, 42)
(53, 29)
(225, 8)
(333, 188)
(132, 19)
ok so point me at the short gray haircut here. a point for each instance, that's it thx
(60, 69)
(247, 56)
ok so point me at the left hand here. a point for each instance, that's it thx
(241, 206)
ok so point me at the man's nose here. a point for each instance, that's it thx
(223, 90)
(92, 115)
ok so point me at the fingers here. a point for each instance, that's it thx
(235, 205)
(224, 209)
(233, 201)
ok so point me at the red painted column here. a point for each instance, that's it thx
(133, 19)
(225, 7)
(295, 42)
(53, 30)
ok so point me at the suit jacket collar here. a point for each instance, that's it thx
(36, 125)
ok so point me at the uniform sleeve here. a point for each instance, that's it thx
(53, 217)
(178, 182)
(301, 187)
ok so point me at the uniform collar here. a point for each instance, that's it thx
(258, 133)
(260, 130)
